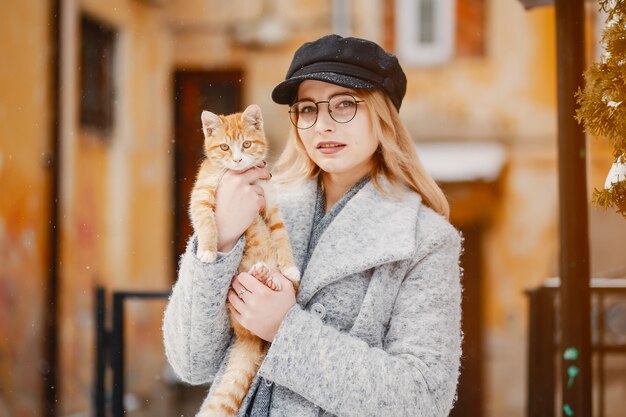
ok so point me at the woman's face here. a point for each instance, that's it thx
(343, 150)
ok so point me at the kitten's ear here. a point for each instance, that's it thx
(210, 122)
(252, 116)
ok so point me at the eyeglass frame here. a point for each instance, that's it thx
(317, 109)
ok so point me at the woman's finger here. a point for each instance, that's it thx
(251, 283)
(238, 288)
(258, 189)
(235, 300)
(261, 202)
(253, 174)
(242, 280)
(283, 279)
(235, 313)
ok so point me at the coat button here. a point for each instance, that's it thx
(318, 310)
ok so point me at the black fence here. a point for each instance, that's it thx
(608, 336)
(110, 346)
(608, 321)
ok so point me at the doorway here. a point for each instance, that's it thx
(469, 395)
(217, 91)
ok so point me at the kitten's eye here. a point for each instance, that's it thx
(246, 144)
(224, 147)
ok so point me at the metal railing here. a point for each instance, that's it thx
(110, 347)
(608, 336)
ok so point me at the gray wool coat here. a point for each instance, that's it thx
(376, 328)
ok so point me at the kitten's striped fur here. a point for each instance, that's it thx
(239, 136)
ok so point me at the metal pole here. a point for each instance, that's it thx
(101, 348)
(541, 349)
(118, 344)
(117, 355)
(51, 338)
(575, 349)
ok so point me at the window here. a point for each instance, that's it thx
(97, 54)
(425, 31)
(432, 32)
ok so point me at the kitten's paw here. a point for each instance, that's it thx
(206, 256)
(273, 283)
(292, 273)
(260, 271)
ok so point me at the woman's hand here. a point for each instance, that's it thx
(238, 200)
(259, 308)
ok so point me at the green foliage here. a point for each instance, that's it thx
(614, 197)
(602, 103)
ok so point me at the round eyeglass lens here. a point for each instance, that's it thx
(304, 114)
(342, 108)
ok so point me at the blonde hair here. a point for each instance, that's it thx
(395, 157)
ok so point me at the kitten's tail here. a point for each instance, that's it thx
(243, 363)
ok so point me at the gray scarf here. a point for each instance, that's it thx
(262, 399)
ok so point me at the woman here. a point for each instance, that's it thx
(375, 327)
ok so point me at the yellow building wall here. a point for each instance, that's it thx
(25, 119)
(115, 198)
(116, 191)
(508, 96)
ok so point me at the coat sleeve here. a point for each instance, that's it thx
(196, 325)
(416, 371)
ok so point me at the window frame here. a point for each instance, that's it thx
(408, 46)
(97, 77)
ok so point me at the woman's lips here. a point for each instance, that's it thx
(328, 148)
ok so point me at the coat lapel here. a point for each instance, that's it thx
(353, 242)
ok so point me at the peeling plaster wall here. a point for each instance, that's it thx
(116, 197)
(24, 144)
(116, 191)
(508, 95)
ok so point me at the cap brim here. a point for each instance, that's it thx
(285, 92)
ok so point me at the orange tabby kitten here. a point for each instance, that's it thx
(237, 142)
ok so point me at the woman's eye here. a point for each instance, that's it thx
(345, 103)
(224, 147)
(246, 144)
(307, 109)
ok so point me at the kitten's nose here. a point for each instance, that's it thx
(237, 160)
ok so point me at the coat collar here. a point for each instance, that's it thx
(372, 229)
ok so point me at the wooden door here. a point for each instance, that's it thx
(472, 209)
(194, 91)
(469, 401)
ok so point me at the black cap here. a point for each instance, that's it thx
(348, 62)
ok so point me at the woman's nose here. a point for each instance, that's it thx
(324, 121)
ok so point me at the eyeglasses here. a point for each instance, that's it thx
(341, 108)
